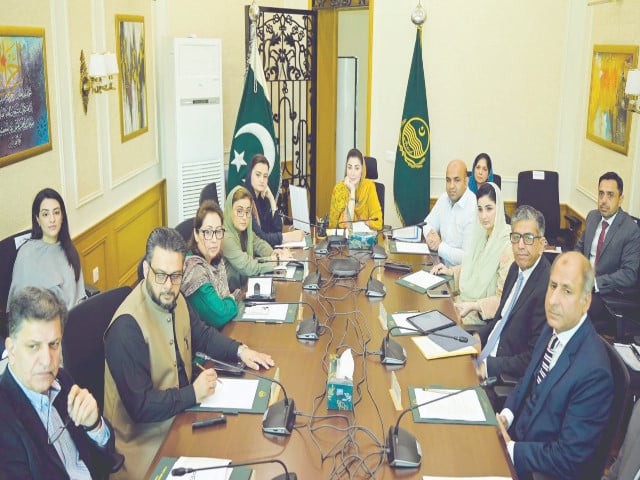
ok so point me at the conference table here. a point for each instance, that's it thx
(320, 448)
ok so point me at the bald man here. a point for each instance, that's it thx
(448, 225)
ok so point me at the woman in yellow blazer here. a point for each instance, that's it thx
(355, 197)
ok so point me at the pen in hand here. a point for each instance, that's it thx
(203, 369)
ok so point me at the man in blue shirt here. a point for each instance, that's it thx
(49, 427)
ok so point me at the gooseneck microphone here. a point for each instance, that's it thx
(180, 471)
(313, 281)
(403, 450)
(279, 417)
(375, 288)
(308, 328)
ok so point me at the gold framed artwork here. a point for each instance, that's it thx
(132, 88)
(25, 128)
(608, 121)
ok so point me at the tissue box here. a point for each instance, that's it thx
(362, 240)
(339, 390)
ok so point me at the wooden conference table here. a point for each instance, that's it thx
(452, 450)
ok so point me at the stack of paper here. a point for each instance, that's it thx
(408, 234)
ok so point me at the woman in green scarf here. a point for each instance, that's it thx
(242, 247)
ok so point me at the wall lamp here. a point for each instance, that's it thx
(632, 91)
(98, 77)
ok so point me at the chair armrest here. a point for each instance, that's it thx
(117, 460)
(574, 222)
(543, 476)
(506, 379)
(90, 290)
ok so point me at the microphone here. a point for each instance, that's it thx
(279, 417)
(389, 230)
(321, 248)
(403, 450)
(375, 288)
(406, 267)
(180, 471)
(307, 329)
(312, 281)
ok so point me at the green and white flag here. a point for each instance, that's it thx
(413, 156)
(254, 132)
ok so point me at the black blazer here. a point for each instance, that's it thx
(24, 451)
(527, 319)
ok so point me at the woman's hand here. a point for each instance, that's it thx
(441, 269)
(350, 185)
(272, 201)
(293, 236)
(238, 295)
(280, 254)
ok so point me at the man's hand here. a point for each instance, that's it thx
(205, 384)
(433, 240)
(255, 360)
(502, 426)
(481, 370)
(464, 308)
(479, 344)
(82, 407)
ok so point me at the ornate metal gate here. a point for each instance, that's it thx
(287, 42)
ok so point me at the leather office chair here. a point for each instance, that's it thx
(539, 189)
(8, 253)
(372, 173)
(185, 228)
(209, 192)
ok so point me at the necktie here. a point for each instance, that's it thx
(546, 359)
(491, 344)
(601, 240)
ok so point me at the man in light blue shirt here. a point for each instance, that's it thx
(49, 427)
(448, 225)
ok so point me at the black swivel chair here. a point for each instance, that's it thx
(8, 254)
(209, 192)
(83, 346)
(539, 189)
(372, 173)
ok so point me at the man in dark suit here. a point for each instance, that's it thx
(611, 242)
(509, 338)
(559, 409)
(49, 427)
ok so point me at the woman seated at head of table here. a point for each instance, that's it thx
(49, 259)
(481, 173)
(479, 280)
(243, 248)
(267, 224)
(355, 198)
(204, 283)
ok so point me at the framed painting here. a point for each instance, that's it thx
(132, 85)
(24, 99)
(608, 121)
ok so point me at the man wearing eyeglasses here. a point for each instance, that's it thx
(508, 340)
(49, 427)
(149, 348)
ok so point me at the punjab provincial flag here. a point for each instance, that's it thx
(412, 168)
(254, 132)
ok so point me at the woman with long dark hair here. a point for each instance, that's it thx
(49, 259)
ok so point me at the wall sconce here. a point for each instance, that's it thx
(632, 90)
(98, 77)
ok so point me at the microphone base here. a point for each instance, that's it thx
(344, 267)
(403, 450)
(312, 281)
(321, 248)
(307, 329)
(279, 418)
(375, 288)
(337, 241)
(378, 252)
(392, 352)
(286, 476)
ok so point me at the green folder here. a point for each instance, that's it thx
(392, 323)
(482, 396)
(292, 310)
(260, 402)
(165, 464)
(416, 288)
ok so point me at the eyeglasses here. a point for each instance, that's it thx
(527, 238)
(161, 277)
(209, 234)
(242, 213)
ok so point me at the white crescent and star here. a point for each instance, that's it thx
(266, 142)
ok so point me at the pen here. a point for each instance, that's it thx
(203, 369)
(635, 351)
(209, 423)
(460, 339)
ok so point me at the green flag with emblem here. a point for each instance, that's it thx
(412, 168)
(254, 132)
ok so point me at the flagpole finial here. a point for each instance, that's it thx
(418, 15)
(254, 12)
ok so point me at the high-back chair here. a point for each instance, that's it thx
(372, 174)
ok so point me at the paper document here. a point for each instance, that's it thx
(408, 247)
(400, 318)
(360, 227)
(407, 234)
(465, 406)
(423, 279)
(432, 350)
(267, 312)
(201, 462)
(233, 393)
(627, 355)
(301, 244)
(343, 232)
(300, 208)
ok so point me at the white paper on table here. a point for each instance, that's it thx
(201, 462)
(300, 208)
(408, 234)
(233, 393)
(267, 312)
(343, 232)
(431, 477)
(465, 406)
(400, 318)
(423, 279)
(360, 227)
(431, 349)
(301, 244)
(627, 355)
(408, 247)
(291, 271)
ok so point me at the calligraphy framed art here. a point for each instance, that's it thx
(25, 128)
(130, 47)
(608, 121)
